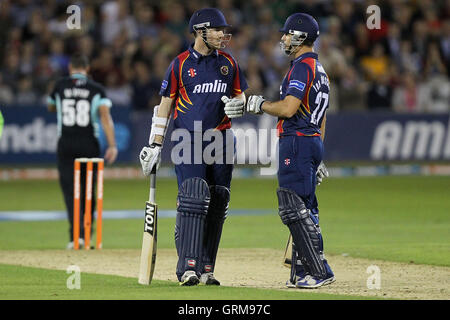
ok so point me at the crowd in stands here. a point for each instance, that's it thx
(401, 66)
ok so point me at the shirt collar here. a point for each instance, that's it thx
(304, 56)
(78, 76)
(197, 55)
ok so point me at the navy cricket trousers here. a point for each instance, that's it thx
(299, 158)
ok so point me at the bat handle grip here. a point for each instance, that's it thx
(152, 185)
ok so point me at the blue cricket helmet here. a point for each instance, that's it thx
(302, 25)
(207, 18)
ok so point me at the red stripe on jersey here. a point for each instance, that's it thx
(182, 58)
(312, 64)
(289, 74)
(225, 124)
(280, 127)
(307, 135)
(173, 84)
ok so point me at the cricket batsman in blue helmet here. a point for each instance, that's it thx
(203, 89)
(301, 112)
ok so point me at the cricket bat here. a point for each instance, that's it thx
(149, 240)
(287, 259)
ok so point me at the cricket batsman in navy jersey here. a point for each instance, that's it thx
(204, 87)
(301, 128)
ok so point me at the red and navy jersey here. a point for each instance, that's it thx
(197, 83)
(308, 81)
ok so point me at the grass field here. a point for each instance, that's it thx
(399, 219)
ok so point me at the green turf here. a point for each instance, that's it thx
(33, 283)
(390, 218)
(404, 219)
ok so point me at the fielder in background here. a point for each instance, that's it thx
(79, 104)
(204, 86)
(301, 116)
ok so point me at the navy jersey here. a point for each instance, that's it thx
(77, 99)
(197, 84)
(308, 81)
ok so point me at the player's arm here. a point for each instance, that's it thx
(322, 126)
(108, 128)
(151, 156)
(285, 108)
(163, 114)
(51, 104)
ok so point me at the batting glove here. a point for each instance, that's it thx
(149, 157)
(321, 173)
(254, 104)
(234, 108)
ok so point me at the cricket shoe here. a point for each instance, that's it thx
(70, 245)
(208, 279)
(309, 282)
(290, 284)
(189, 278)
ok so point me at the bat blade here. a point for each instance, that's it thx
(149, 244)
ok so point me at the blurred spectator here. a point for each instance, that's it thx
(375, 65)
(254, 76)
(59, 62)
(434, 66)
(436, 95)
(120, 94)
(352, 91)
(404, 65)
(116, 19)
(406, 96)
(6, 93)
(43, 73)
(333, 60)
(176, 17)
(409, 61)
(379, 95)
(144, 87)
(25, 94)
(145, 15)
(11, 69)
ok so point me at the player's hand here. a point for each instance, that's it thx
(149, 157)
(254, 104)
(321, 173)
(234, 108)
(111, 154)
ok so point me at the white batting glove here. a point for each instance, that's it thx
(149, 157)
(254, 104)
(321, 173)
(234, 108)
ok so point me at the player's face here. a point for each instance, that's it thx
(217, 37)
(286, 43)
(286, 39)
